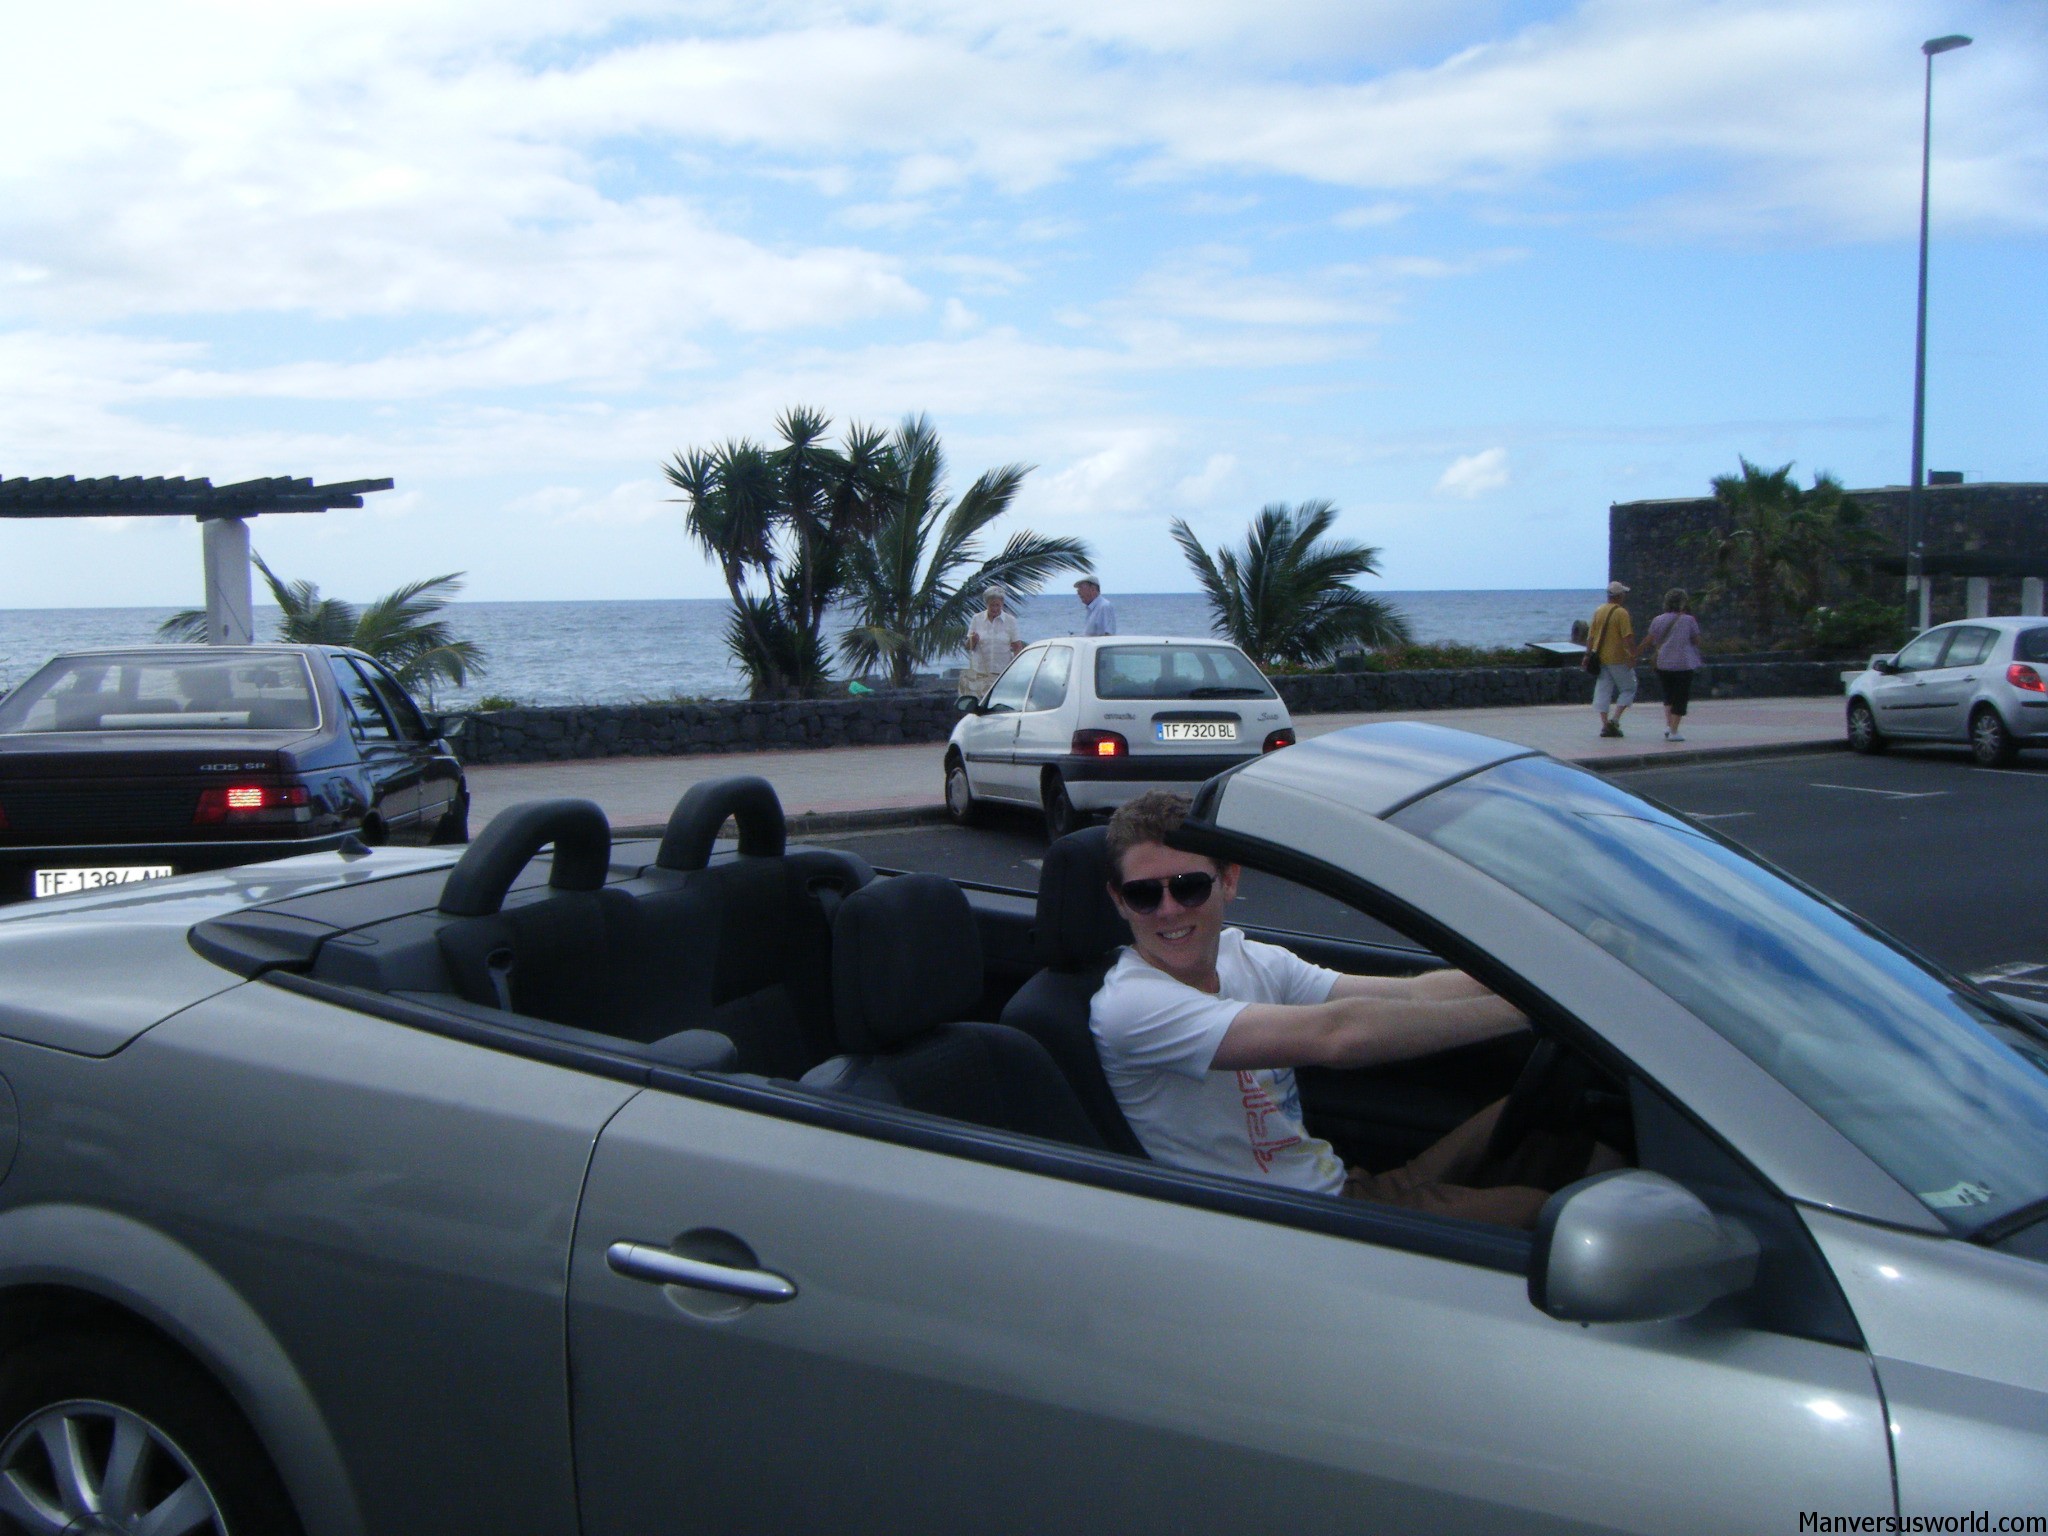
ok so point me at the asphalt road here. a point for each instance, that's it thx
(1943, 853)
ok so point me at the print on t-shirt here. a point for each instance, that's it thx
(1269, 1125)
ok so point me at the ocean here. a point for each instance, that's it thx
(627, 652)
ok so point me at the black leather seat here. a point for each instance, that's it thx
(1077, 934)
(584, 954)
(761, 921)
(906, 980)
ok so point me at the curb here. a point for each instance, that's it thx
(1696, 755)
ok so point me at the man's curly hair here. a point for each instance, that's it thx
(1146, 819)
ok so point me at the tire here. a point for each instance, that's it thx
(1991, 744)
(454, 827)
(1060, 815)
(962, 809)
(1864, 736)
(114, 1391)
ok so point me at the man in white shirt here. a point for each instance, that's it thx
(1101, 616)
(992, 644)
(1200, 1030)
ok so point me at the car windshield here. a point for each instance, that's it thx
(263, 691)
(1945, 1096)
(1177, 672)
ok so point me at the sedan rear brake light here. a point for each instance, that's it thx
(1284, 737)
(1100, 744)
(251, 802)
(2019, 674)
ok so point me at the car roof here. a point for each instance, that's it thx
(1998, 621)
(1096, 642)
(1378, 768)
(196, 648)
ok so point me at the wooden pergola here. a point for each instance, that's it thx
(222, 511)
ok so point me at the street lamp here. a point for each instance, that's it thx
(1916, 553)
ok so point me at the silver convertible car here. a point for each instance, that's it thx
(568, 1187)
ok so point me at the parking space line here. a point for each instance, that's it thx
(1889, 794)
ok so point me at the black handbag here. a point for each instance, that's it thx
(1591, 661)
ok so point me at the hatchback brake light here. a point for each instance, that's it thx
(3, 818)
(1284, 737)
(249, 802)
(1100, 744)
(2020, 675)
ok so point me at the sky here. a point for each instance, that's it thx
(1470, 270)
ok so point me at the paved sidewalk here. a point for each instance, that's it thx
(851, 786)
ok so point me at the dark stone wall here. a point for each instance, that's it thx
(1649, 548)
(718, 725)
(888, 719)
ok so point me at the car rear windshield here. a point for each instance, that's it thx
(2032, 645)
(140, 692)
(1177, 672)
(1943, 1094)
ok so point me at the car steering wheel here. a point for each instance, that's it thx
(1550, 1084)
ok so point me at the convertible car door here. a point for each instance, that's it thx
(965, 1346)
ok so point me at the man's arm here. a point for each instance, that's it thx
(1363, 1029)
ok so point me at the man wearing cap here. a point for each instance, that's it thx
(1612, 638)
(1101, 617)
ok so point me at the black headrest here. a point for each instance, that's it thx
(906, 957)
(694, 825)
(583, 850)
(1077, 922)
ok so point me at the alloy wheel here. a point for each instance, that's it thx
(1990, 741)
(1863, 732)
(88, 1468)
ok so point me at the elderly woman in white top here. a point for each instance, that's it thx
(992, 644)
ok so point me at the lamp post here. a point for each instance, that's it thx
(1916, 552)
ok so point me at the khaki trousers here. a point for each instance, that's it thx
(1455, 1177)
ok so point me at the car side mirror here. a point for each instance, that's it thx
(968, 704)
(1633, 1246)
(1888, 665)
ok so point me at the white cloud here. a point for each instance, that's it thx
(1475, 474)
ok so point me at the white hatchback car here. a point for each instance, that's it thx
(1077, 726)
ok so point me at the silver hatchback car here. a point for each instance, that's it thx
(1980, 681)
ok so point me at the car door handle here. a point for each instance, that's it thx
(657, 1266)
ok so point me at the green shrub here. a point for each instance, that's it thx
(493, 701)
(1858, 627)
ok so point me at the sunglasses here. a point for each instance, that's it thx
(1189, 890)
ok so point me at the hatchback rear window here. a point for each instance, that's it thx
(2032, 645)
(1177, 672)
(141, 692)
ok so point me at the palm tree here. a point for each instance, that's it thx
(400, 628)
(1831, 537)
(1287, 597)
(917, 581)
(780, 523)
(1784, 546)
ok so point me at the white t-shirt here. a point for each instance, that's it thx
(1157, 1036)
(1101, 618)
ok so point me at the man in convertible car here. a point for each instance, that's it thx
(1200, 1029)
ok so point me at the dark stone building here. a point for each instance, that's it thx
(1983, 542)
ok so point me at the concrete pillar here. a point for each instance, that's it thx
(2030, 596)
(230, 616)
(1920, 604)
(1979, 598)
